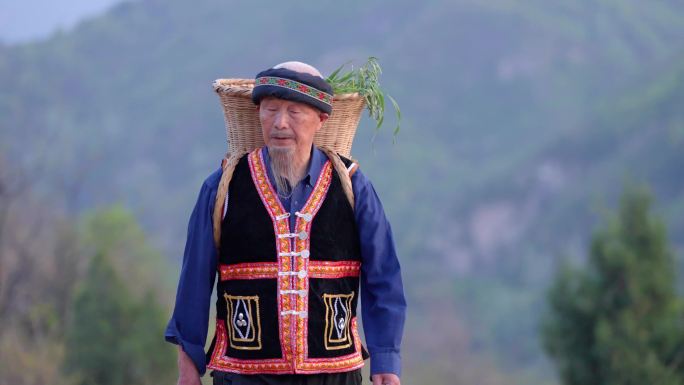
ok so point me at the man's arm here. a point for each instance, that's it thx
(385, 379)
(383, 305)
(187, 372)
(189, 323)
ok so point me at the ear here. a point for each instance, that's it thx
(322, 116)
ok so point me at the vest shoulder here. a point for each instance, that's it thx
(214, 179)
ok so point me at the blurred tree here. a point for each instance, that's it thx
(115, 338)
(618, 320)
(115, 232)
(48, 273)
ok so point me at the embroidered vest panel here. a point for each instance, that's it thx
(286, 298)
(247, 233)
(332, 241)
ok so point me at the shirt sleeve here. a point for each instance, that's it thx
(189, 323)
(383, 305)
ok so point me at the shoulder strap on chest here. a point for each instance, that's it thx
(345, 168)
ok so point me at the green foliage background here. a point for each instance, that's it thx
(114, 339)
(520, 122)
(619, 319)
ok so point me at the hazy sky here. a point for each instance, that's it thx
(25, 20)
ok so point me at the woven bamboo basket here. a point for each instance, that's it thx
(243, 128)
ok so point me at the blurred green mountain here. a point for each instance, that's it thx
(520, 121)
(508, 234)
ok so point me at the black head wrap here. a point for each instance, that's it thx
(291, 85)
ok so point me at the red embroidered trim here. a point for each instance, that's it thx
(235, 365)
(310, 207)
(338, 364)
(279, 366)
(328, 269)
(257, 270)
(265, 270)
(283, 245)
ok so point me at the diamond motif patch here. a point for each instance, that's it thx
(338, 320)
(243, 322)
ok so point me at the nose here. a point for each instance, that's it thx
(280, 121)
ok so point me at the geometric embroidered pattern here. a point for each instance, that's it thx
(295, 86)
(329, 269)
(265, 270)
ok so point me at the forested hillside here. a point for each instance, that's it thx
(521, 121)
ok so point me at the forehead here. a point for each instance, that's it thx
(272, 100)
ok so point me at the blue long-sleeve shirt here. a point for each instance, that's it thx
(383, 306)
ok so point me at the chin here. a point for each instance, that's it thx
(282, 148)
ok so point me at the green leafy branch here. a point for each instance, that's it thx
(365, 81)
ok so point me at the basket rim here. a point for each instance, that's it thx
(243, 88)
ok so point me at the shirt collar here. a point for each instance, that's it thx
(315, 165)
(313, 169)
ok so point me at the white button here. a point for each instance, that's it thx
(305, 216)
(302, 274)
(303, 235)
(305, 253)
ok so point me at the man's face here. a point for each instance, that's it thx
(288, 124)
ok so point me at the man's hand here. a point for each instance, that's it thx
(187, 372)
(385, 379)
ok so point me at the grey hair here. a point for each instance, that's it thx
(299, 67)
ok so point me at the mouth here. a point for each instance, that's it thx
(278, 138)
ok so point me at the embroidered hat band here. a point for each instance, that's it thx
(286, 84)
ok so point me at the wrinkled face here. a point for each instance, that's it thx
(288, 124)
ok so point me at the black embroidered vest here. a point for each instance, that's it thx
(286, 300)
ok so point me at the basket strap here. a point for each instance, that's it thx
(342, 171)
(228, 165)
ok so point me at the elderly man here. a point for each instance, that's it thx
(292, 255)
